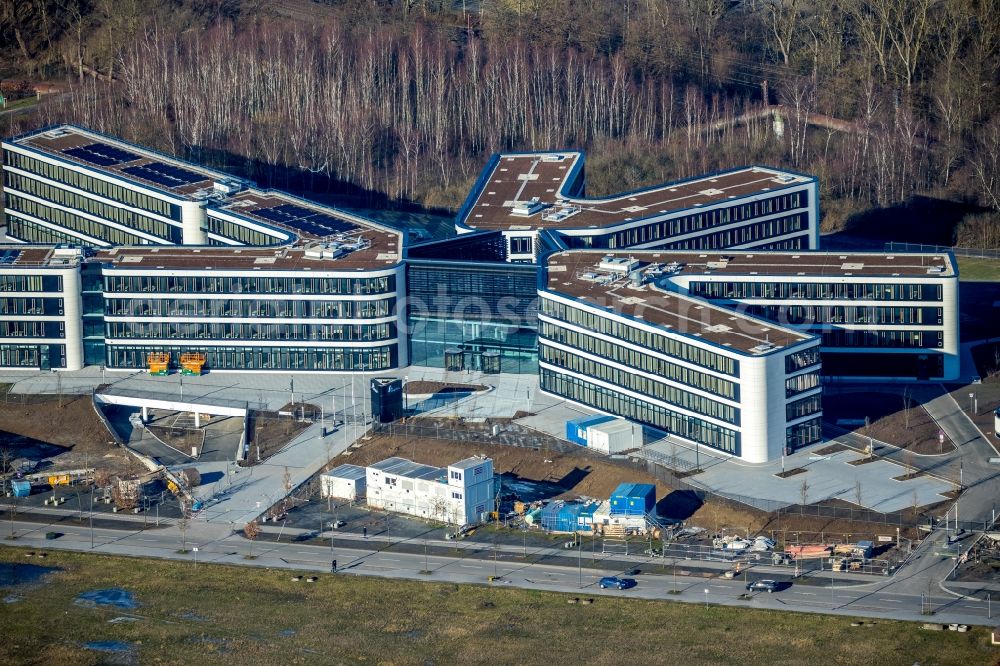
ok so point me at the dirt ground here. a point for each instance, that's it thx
(889, 421)
(421, 387)
(578, 474)
(268, 432)
(69, 422)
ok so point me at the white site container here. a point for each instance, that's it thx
(613, 437)
(343, 482)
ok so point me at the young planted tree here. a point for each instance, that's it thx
(251, 531)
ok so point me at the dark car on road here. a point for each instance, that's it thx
(616, 582)
(763, 586)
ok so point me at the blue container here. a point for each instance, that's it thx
(576, 430)
(633, 499)
(21, 487)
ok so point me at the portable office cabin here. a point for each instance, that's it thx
(344, 482)
(633, 499)
(614, 436)
(21, 487)
(576, 429)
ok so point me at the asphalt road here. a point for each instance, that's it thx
(882, 599)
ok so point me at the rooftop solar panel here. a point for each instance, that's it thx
(305, 220)
(81, 153)
(113, 152)
(101, 154)
(167, 175)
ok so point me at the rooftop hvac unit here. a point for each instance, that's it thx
(324, 251)
(621, 265)
(784, 178)
(227, 187)
(763, 348)
(527, 208)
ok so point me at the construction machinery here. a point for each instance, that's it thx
(192, 363)
(159, 363)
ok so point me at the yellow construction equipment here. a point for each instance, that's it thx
(192, 363)
(159, 363)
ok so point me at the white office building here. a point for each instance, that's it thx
(459, 494)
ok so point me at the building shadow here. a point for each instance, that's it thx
(679, 505)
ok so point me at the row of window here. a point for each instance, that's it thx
(130, 218)
(655, 341)
(32, 232)
(746, 234)
(93, 185)
(264, 358)
(797, 315)
(29, 305)
(804, 407)
(703, 220)
(211, 284)
(19, 282)
(238, 232)
(877, 338)
(804, 434)
(84, 225)
(120, 330)
(640, 384)
(19, 356)
(646, 362)
(797, 243)
(259, 309)
(802, 359)
(32, 329)
(844, 291)
(44, 357)
(801, 383)
(614, 402)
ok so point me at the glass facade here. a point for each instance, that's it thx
(462, 315)
(263, 357)
(640, 360)
(656, 341)
(841, 291)
(43, 357)
(627, 378)
(15, 183)
(615, 402)
(240, 233)
(798, 315)
(92, 185)
(702, 222)
(212, 284)
(804, 434)
(92, 229)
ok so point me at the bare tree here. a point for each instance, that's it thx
(857, 492)
(804, 492)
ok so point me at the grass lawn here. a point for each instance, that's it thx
(973, 269)
(222, 614)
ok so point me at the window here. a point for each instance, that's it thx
(457, 496)
(456, 475)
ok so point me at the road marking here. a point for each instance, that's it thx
(388, 559)
(891, 601)
(812, 594)
(469, 566)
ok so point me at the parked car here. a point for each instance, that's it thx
(616, 582)
(763, 585)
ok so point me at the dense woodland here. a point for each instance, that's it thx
(892, 103)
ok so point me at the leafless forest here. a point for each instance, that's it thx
(882, 99)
